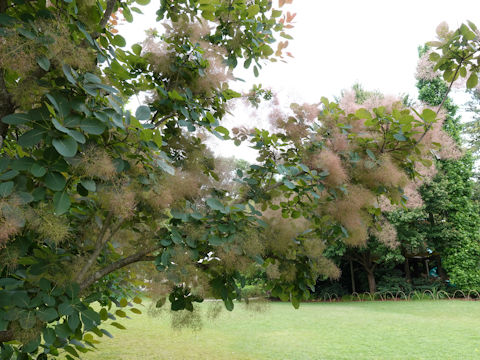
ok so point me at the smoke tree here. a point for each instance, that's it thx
(88, 189)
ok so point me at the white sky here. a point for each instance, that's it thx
(338, 43)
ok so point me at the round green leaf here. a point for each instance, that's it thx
(47, 314)
(55, 181)
(142, 113)
(65, 146)
(6, 188)
(92, 126)
(118, 40)
(137, 49)
(89, 185)
(472, 81)
(49, 336)
(32, 137)
(38, 170)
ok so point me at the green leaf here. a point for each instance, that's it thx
(63, 331)
(363, 114)
(32, 345)
(370, 154)
(49, 336)
(67, 71)
(118, 40)
(59, 126)
(6, 188)
(9, 175)
(222, 130)
(43, 62)
(71, 351)
(66, 146)
(78, 136)
(215, 204)
(73, 321)
(166, 167)
(434, 57)
(400, 137)
(55, 181)
(174, 95)
(61, 202)
(289, 184)
(472, 81)
(142, 113)
(65, 309)
(428, 115)
(16, 119)
(89, 185)
(38, 170)
(47, 314)
(32, 137)
(137, 49)
(92, 126)
(253, 10)
(143, 2)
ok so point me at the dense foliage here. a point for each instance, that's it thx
(88, 188)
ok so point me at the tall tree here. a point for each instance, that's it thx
(450, 223)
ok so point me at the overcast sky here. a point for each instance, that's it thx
(337, 43)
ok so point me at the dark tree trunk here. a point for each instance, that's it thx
(408, 275)
(352, 276)
(372, 285)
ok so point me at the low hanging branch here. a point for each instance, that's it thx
(137, 257)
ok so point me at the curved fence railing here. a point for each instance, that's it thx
(402, 296)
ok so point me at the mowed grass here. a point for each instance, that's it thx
(349, 330)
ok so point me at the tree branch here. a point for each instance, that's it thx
(98, 248)
(162, 120)
(106, 16)
(137, 257)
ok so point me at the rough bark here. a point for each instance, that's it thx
(408, 275)
(372, 285)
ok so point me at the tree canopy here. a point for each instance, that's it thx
(89, 189)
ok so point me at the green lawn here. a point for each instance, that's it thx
(358, 330)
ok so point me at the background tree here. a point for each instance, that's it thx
(452, 226)
(87, 188)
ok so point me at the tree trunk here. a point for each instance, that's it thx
(372, 285)
(352, 277)
(408, 275)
